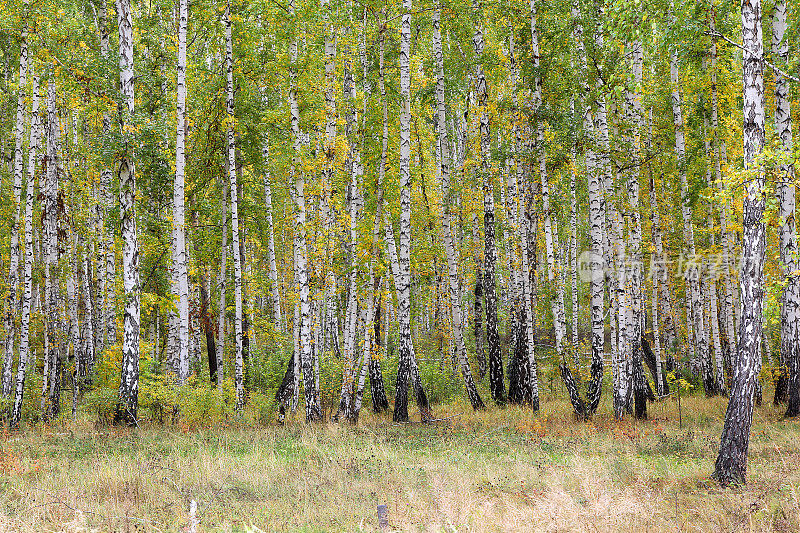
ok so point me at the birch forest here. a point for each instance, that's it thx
(222, 212)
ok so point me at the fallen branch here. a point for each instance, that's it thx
(428, 421)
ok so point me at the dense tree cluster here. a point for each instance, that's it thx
(211, 188)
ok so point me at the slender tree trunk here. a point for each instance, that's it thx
(106, 260)
(731, 464)
(14, 252)
(727, 237)
(634, 108)
(595, 168)
(477, 311)
(407, 363)
(355, 207)
(237, 255)
(329, 176)
(129, 384)
(412, 373)
(180, 268)
(271, 257)
(222, 285)
(301, 266)
(51, 399)
(790, 311)
(489, 251)
(520, 343)
(27, 278)
(379, 401)
(88, 310)
(576, 102)
(594, 258)
(552, 275)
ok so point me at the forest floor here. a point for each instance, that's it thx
(497, 470)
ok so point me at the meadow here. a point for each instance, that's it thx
(496, 470)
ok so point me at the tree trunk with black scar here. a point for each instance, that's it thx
(494, 356)
(379, 401)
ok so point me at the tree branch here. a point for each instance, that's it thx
(737, 45)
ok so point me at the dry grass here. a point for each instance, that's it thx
(498, 470)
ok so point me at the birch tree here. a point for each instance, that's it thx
(127, 405)
(27, 277)
(790, 311)
(179, 216)
(300, 242)
(407, 365)
(489, 251)
(695, 308)
(731, 464)
(235, 233)
(13, 262)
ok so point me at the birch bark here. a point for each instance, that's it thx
(494, 356)
(235, 233)
(300, 242)
(790, 312)
(27, 277)
(178, 202)
(731, 464)
(14, 252)
(129, 383)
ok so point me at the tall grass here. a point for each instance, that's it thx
(495, 470)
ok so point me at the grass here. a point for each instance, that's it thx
(496, 470)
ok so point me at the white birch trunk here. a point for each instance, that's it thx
(790, 311)
(407, 363)
(634, 258)
(27, 278)
(725, 215)
(179, 216)
(14, 252)
(731, 464)
(494, 357)
(277, 316)
(237, 258)
(329, 176)
(300, 242)
(129, 383)
(552, 275)
(222, 284)
(89, 354)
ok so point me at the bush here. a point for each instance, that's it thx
(101, 403)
